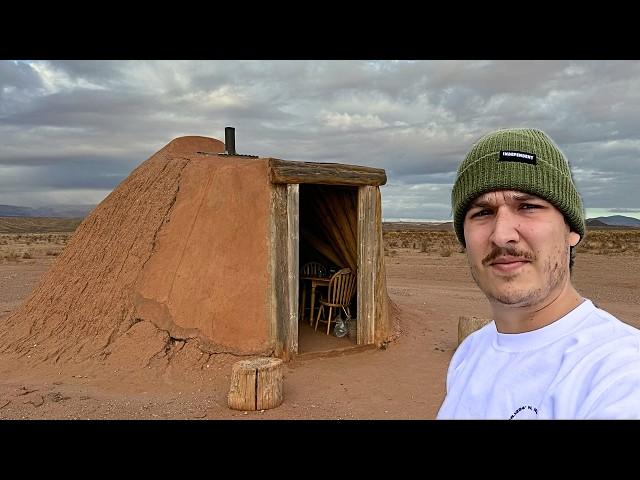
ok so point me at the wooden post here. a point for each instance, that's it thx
(468, 325)
(368, 252)
(293, 267)
(256, 384)
(283, 265)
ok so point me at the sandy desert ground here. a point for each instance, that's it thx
(427, 278)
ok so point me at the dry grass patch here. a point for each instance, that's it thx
(610, 241)
(441, 243)
(29, 246)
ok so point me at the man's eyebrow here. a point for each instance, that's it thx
(520, 197)
(481, 204)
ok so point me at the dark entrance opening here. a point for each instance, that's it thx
(328, 232)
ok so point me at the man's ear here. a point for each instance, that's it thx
(574, 238)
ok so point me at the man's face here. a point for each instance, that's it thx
(517, 247)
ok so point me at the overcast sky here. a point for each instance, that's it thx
(71, 131)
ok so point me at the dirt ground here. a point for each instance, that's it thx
(405, 380)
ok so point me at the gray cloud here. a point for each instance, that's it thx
(624, 210)
(75, 129)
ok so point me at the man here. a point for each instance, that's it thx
(548, 353)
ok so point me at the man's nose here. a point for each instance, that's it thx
(505, 228)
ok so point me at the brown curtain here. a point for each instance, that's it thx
(330, 220)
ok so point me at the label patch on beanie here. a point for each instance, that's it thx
(515, 156)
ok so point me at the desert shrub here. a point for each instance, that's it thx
(26, 255)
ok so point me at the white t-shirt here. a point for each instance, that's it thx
(584, 365)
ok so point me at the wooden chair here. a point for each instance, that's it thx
(342, 287)
(313, 269)
(310, 269)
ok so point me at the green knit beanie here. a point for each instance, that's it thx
(523, 159)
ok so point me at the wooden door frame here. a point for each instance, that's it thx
(284, 258)
(283, 265)
(369, 213)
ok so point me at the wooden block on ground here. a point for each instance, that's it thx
(256, 384)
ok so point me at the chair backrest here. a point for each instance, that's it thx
(313, 269)
(342, 286)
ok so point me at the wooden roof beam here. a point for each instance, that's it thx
(284, 171)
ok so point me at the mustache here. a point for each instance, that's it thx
(507, 251)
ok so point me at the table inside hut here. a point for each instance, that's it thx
(314, 282)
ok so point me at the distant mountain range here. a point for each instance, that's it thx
(58, 211)
(613, 221)
(81, 211)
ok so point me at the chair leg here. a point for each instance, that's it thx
(320, 310)
(303, 301)
(329, 320)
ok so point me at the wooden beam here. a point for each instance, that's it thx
(368, 263)
(283, 263)
(293, 234)
(284, 171)
(277, 267)
(383, 327)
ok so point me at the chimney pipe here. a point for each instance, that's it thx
(229, 140)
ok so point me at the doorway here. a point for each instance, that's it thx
(328, 235)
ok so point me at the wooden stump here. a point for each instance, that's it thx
(256, 384)
(468, 325)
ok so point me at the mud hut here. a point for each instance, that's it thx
(205, 244)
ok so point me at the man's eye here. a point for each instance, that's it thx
(481, 213)
(529, 206)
